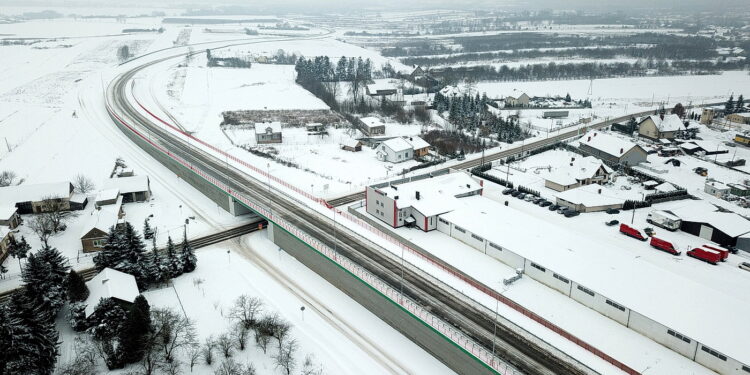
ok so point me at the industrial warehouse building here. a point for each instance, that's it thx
(612, 149)
(603, 281)
(724, 228)
(419, 202)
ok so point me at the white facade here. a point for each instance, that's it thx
(395, 150)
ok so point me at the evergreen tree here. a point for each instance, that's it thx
(341, 69)
(44, 277)
(134, 260)
(18, 249)
(173, 260)
(136, 327)
(740, 106)
(567, 97)
(77, 289)
(729, 106)
(3, 271)
(187, 255)
(148, 233)
(106, 325)
(113, 252)
(32, 336)
(154, 264)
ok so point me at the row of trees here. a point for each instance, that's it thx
(734, 107)
(472, 114)
(125, 251)
(321, 69)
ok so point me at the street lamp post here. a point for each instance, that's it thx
(632, 218)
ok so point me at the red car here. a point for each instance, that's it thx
(724, 252)
(632, 232)
(662, 245)
(706, 255)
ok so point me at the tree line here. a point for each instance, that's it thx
(321, 69)
(471, 113)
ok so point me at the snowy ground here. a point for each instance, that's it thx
(341, 336)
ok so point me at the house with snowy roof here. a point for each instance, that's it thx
(96, 227)
(590, 198)
(5, 235)
(268, 132)
(581, 171)
(9, 217)
(131, 188)
(372, 126)
(110, 283)
(30, 198)
(660, 127)
(395, 150)
(419, 145)
(612, 149)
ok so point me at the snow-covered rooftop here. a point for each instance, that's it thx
(436, 194)
(743, 114)
(372, 121)
(3, 232)
(612, 273)
(103, 218)
(107, 195)
(128, 184)
(110, 283)
(665, 187)
(591, 196)
(381, 85)
(607, 143)
(78, 198)
(7, 211)
(581, 169)
(35, 192)
(417, 142)
(670, 122)
(262, 127)
(397, 144)
(728, 222)
(350, 142)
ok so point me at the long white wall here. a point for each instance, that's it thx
(608, 307)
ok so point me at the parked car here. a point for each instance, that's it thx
(521, 195)
(706, 255)
(529, 197)
(545, 203)
(612, 223)
(571, 213)
(538, 200)
(507, 191)
(613, 211)
(562, 209)
(745, 266)
(632, 232)
(662, 245)
(554, 207)
(514, 193)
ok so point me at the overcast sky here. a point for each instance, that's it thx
(354, 5)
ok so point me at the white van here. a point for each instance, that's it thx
(664, 219)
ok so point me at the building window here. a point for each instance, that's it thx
(377, 212)
(477, 238)
(615, 305)
(586, 290)
(443, 221)
(496, 246)
(99, 243)
(745, 368)
(678, 335)
(561, 278)
(713, 353)
(540, 268)
(462, 230)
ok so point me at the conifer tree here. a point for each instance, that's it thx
(148, 233)
(32, 336)
(134, 260)
(77, 289)
(173, 260)
(44, 278)
(18, 249)
(729, 106)
(113, 252)
(187, 255)
(740, 106)
(135, 329)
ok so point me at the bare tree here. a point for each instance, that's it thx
(285, 357)
(309, 367)
(230, 367)
(281, 330)
(83, 184)
(193, 355)
(56, 212)
(245, 311)
(175, 330)
(173, 367)
(225, 344)
(207, 350)
(239, 335)
(6, 178)
(42, 226)
(85, 360)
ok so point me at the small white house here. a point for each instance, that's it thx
(268, 132)
(110, 283)
(395, 150)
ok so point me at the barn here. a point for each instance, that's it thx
(724, 228)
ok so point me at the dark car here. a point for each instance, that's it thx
(562, 209)
(571, 213)
(613, 211)
(545, 203)
(553, 207)
(521, 196)
(507, 191)
(514, 193)
(537, 200)
(612, 223)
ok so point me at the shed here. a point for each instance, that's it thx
(268, 132)
(29, 198)
(419, 145)
(352, 145)
(9, 217)
(132, 189)
(372, 126)
(96, 227)
(110, 283)
(716, 188)
(78, 201)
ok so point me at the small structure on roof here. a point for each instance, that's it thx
(590, 198)
(268, 132)
(716, 188)
(110, 283)
(352, 145)
(420, 202)
(419, 145)
(9, 217)
(612, 149)
(581, 171)
(132, 189)
(661, 126)
(372, 126)
(395, 150)
(96, 227)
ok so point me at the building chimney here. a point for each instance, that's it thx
(621, 150)
(417, 195)
(600, 191)
(661, 116)
(589, 140)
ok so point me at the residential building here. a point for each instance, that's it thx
(708, 114)
(106, 197)
(382, 89)
(9, 217)
(352, 145)
(704, 147)
(78, 201)
(97, 226)
(740, 190)
(395, 150)
(31, 198)
(315, 127)
(110, 283)
(742, 118)
(132, 189)
(372, 126)
(419, 202)
(590, 198)
(660, 127)
(419, 145)
(581, 171)
(612, 149)
(716, 188)
(5, 235)
(520, 101)
(268, 132)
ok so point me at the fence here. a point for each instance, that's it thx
(447, 331)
